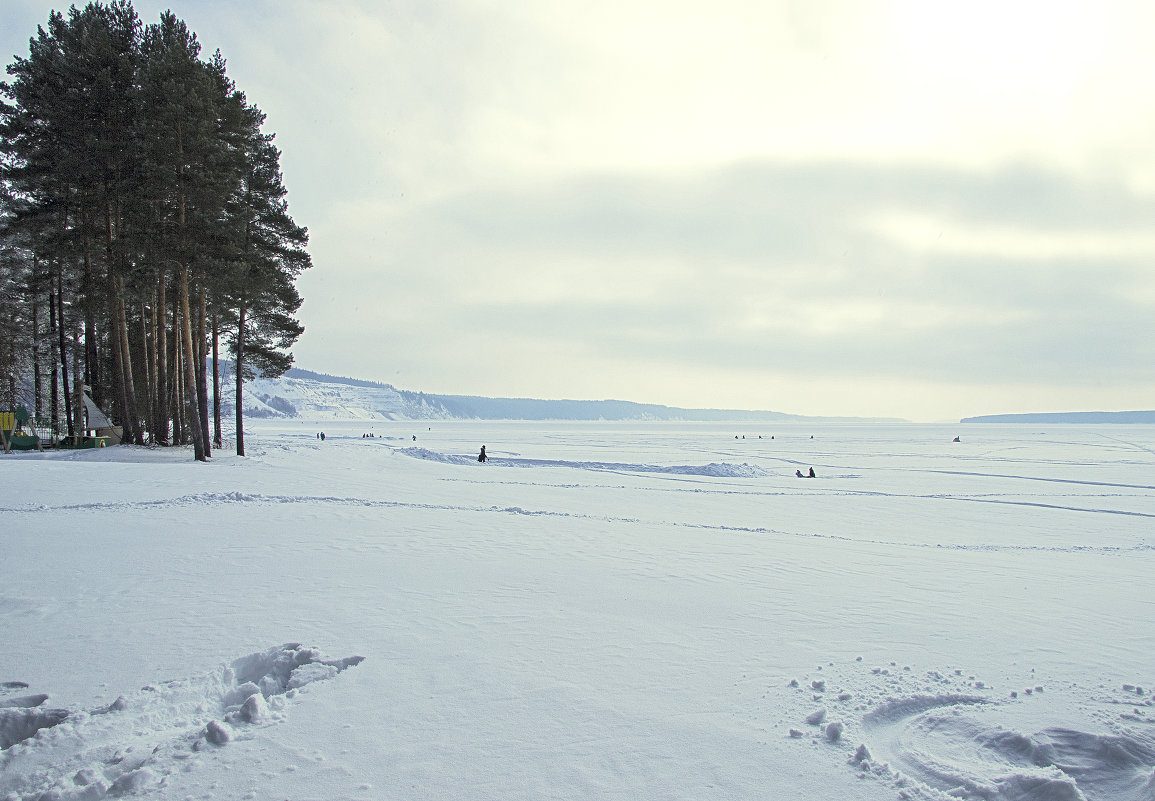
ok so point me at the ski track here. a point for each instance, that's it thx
(212, 499)
(708, 474)
(140, 739)
(1050, 480)
(943, 735)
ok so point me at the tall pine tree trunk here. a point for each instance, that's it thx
(63, 349)
(148, 349)
(160, 426)
(37, 379)
(92, 376)
(129, 383)
(121, 373)
(162, 405)
(202, 366)
(119, 404)
(54, 408)
(189, 356)
(78, 389)
(217, 434)
(238, 368)
(121, 367)
(177, 397)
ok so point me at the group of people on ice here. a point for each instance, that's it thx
(800, 474)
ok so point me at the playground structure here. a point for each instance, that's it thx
(20, 431)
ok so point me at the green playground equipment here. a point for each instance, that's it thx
(18, 431)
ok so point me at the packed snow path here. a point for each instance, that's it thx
(600, 611)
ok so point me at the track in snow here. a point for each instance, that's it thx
(133, 744)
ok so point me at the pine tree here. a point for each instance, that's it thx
(269, 254)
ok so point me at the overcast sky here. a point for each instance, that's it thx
(913, 208)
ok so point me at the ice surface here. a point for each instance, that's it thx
(601, 611)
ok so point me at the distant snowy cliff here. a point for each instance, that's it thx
(316, 396)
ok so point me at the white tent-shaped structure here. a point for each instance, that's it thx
(94, 418)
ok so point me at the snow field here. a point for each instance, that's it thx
(601, 611)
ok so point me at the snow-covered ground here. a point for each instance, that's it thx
(630, 611)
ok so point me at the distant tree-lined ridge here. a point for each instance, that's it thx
(1066, 417)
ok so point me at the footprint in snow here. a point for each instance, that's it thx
(934, 737)
(132, 744)
(22, 716)
(971, 749)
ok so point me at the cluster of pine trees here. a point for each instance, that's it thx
(143, 224)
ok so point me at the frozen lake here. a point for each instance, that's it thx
(602, 610)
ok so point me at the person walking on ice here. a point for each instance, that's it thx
(481, 457)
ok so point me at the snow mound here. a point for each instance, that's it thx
(283, 668)
(713, 469)
(434, 456)
(134, 743)
(719, 470)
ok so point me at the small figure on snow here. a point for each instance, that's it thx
(481, 457)
(812, 473)
(956, 439)
(799, 474)
(322, 436)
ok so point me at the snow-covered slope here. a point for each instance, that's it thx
(316, 396)
(327, 400)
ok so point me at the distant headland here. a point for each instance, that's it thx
(1066, 417)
